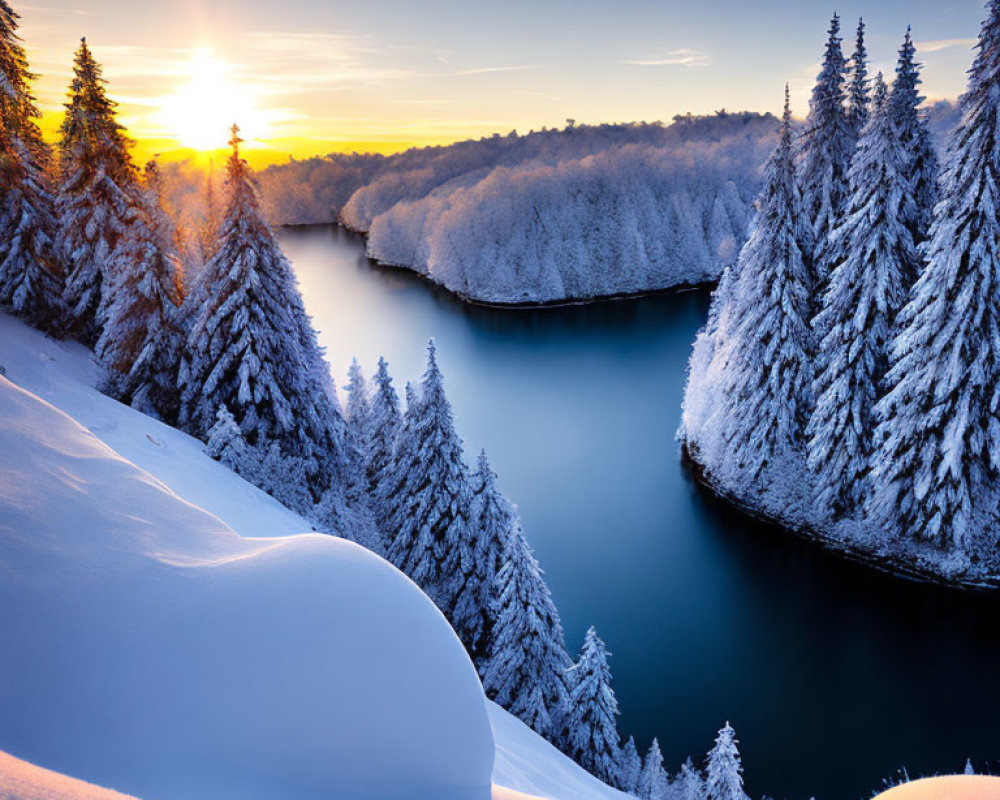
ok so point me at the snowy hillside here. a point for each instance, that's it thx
(20, 780)
(165, 620)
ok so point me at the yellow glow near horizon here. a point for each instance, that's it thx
(203, 111)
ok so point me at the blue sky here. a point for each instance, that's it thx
(328, 71)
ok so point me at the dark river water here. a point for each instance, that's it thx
(834, 677)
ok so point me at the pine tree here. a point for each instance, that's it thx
(689, 784)
(769, 377)
(724, 772)
(875, 253)
(429, 520)
(95, 204)
(490, 524)
(384, 423)
(629, 767)
(162, 224)
(969, 770)
(859, 91)
(653, 782)
(252, 348)
(526, 669)
(825, 153)
(916, 137)
(31, 278)
(141, 341)
(225, 441)
(591, 726)
(357, 438)
(939, 434)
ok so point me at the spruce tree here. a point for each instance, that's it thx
(525, 672)
(96, 203)
(141, 341)
(252, 348)
(859, 90)
(163, 225)
(31, 275)
(226, 443)
(875, 253)
(653, 782)
(914, 134)
(724, 772)
(825, 151)
(591, 726)
(384, 423)
(939, 433)
(357, 432)
(429, 519)
(689, 784)
(768, 378)
(490, 523)
(629, 767)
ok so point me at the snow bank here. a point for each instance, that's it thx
(150, 648)
(958, 787)
(527, 763)
(20, 780)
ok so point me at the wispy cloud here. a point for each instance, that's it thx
(684, 57)
(938, 45)
(490, 70)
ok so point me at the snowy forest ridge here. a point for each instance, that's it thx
(846, 382)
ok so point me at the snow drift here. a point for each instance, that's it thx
(20, 780)
(150, 648)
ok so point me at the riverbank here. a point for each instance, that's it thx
(903, 566)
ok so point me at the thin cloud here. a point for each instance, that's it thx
(490, 70)
(677, 58)
(937, 45)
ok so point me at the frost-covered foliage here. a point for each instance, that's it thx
(591, 725)
(724, 771)
(526, 669)
(756, 364)
(903, 436)
(428, 524)
(689, 784)
(629, 767)
(915, 135)
(629, 218)
(31, 278)
(384, 423)
(141, 342)
(873, 269)
(96, 201)
(252, 349)
(859, 88)
(653, 781)
(939, 434)
(825, 151)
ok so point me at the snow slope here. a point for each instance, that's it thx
(958, 787)
(116, 602)
(20, 780)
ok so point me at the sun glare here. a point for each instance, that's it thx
(202, 112)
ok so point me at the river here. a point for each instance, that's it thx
(833, 676)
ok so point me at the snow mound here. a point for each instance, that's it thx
(527, 763)
(20, 780)
(958, 787)
(149, 647)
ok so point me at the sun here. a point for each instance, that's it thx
(202, 112)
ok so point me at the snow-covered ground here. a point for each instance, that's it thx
(958, 787)
(20, 780)
(151, 648)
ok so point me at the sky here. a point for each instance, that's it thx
(307, 77)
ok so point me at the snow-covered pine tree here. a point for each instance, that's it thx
(490, 521)
(95, 203)
(653, 781)
(525, 672)
(252, 348)
(162, 223)
(226, 443)
(429, 520)
(141, 342)
(938, 454)
(688, 784)
(825, 151)
(769, 375)
(969, 769)
(913, 132)
(357, 438)
(31, 275)
(591, 725)
(859, 90)
(208, 235)
(629, 767)
(873, 254)
(724, 771)
(384, 422)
